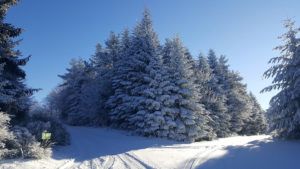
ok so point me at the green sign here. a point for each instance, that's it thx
(46, 136)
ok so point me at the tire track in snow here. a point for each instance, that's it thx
(200, 157)
(68, 164)
(134, 158)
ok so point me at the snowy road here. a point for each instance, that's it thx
(94, 148)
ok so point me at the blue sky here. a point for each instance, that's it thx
(245, 31)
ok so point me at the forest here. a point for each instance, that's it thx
(135, 82)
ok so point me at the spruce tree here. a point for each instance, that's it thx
(216, 97)
(119, 103)
(104, 66)
(73, 82)
(144, 75)
(256, 122)
(12, 78)
(238, 102)
(192, 118)
(284, 111)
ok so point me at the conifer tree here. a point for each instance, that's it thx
(284, 111)
(238, 103)
(15, 91)
(192, 118)
(104, 66)
(73, 83)
(216, 98)
(256, 122)
(143, 73)
(119, 102)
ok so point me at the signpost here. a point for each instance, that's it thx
(46, 137)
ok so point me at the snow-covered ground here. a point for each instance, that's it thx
(93, 148)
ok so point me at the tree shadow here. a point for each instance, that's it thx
(266, 154)
(88, 143)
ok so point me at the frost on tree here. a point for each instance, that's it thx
(191, 117)
(73, 92)
(119, 102)
(104, 66)
(216, 98)
(138, 83)
(256, 122)
(284, 111)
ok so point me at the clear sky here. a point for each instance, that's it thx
(245, 31)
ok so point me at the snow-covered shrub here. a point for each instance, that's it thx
(41, 122)
(5, 136)
(27, 145)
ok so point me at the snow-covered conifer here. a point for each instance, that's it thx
(216, 98)
(14, 93)
(284, 111)
(256, 122)
(73, 83)
(192, 119)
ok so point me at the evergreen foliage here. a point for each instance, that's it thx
(135, 83)
(284, 111)
(14, 93)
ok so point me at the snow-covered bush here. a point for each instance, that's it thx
(41, 122)
(27, 145)
(19, 142)
(5, 136)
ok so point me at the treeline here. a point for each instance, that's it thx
(134, 82)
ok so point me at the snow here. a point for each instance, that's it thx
(108, 148)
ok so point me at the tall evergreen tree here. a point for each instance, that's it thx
(104, 64)
(238, 103)
(192, 119)
(284, 111)
(216, 97)
(12, 78)
(256, 122)
(139, 104)
(119, 103)
(73, 83)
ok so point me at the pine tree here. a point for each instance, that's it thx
(104, 64)
(238, 102)
(216, 97)
(284, 111)
(15, 91)
(192, 118)
(143, 74)
(73, 83)
(203, 76)
(256, 122)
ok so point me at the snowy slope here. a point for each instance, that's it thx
(107, 148)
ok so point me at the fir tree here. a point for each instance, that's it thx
(284, 111)
(104, 64)
(73, 83)
(119, 102)
(256, 122)
(238, 102)
(15, 91)
(192, 118)
(144, 73)
(216, 97)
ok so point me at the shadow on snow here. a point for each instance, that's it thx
(265, 154)
(88, 143)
